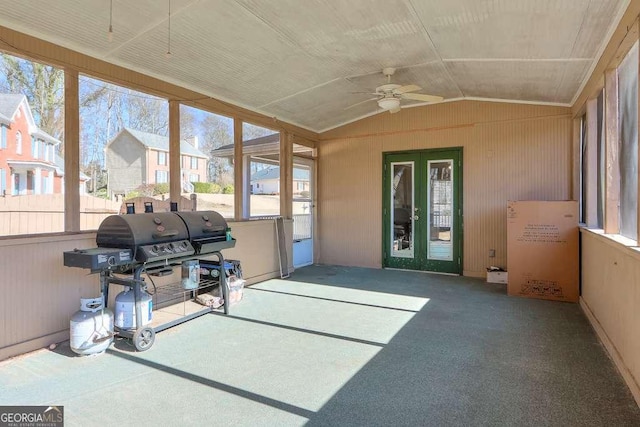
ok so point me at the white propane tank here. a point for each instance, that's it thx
(91, 328)
(126, 309)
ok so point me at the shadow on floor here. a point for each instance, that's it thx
(347, 346)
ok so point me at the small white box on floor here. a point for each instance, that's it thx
(497, 277)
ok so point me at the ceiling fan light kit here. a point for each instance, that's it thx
(389, 95)
(389, 103)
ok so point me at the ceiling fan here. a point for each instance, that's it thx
(388, 95)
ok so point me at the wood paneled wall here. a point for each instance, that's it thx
(38, 295)
(510, 152)
(611, 297)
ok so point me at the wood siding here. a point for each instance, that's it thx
(611, 297)
(38, 295)
(510, 152)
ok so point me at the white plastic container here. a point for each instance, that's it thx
(91, 328)
(236, 289)
(125, 309)
(190, 274)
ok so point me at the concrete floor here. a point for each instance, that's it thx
(345, 346)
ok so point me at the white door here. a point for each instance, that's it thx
(303, 211)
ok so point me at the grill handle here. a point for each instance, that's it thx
(168, 233)
(210, 230)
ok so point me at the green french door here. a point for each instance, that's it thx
(422, 210)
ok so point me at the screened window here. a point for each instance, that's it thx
(261, 150)
(162, 158)
(212, 136)
(628, 147)
(121, 130)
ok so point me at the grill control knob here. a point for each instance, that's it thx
(205, 217)
(155, 248)
(157, 221)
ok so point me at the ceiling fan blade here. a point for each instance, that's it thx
(395, 110)
(408, 88)
(422, 97)
(361, 102)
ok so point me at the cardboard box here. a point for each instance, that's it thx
(497, 277)
(542, 250)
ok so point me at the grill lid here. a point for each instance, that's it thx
(131, 231)
(204, 224)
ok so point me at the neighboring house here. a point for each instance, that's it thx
(267, 181)
(265, 150)
(134, 158)
(28, 160)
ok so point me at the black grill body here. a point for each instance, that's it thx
(151, 236)
(206, 230)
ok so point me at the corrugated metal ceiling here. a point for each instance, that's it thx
(301, 61)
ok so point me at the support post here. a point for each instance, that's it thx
(71, 151)
(238, 167)
(286, 175)
(175, 160)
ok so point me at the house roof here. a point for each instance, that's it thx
(274, 138)
(274, 173)
(9, 104)
(265, 146)
(159, 142)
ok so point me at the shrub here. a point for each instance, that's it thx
(147, 190)
(227, 189)
(162, 188)
(132, 194)
(206, 187)
(305, 194)
(102, 193)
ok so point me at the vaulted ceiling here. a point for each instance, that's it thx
(306, 61)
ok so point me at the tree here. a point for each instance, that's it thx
(217, 133)
(250, 131)
(188, 122)
(42, 85)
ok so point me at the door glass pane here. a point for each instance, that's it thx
(302, 212)
(440, 210)
(402, 203)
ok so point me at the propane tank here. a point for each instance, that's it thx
(126, 309)
(91, 328)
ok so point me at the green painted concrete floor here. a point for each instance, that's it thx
(345, 346)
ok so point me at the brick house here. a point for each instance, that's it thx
(28, 160)
(135, 158)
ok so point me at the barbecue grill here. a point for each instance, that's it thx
(154, 243)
